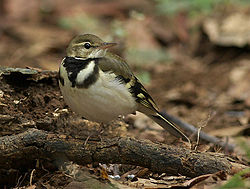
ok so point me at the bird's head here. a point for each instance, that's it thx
(88, 46)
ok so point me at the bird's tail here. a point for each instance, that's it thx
(169, 126)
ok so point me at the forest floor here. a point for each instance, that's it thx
(192, 72)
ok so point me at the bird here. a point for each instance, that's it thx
(100, 86)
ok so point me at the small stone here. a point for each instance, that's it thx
(1, 94)
(16, 101)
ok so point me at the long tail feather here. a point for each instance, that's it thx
(169, 126)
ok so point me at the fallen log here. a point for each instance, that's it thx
(19, 150)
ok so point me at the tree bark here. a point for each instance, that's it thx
(33, 144)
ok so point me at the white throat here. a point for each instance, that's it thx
(97, 53)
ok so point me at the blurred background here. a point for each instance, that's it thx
(148, 31)
(193, 56)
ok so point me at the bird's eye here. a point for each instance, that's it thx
(87, 45)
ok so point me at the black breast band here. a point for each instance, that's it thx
(74, 65)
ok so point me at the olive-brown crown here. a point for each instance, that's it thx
(83, 46)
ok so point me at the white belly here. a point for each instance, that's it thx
(102, 102)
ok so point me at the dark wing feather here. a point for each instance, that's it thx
(141, 95)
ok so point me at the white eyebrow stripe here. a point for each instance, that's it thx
(81, 43)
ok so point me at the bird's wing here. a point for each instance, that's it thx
(115, 64)
(141, 95)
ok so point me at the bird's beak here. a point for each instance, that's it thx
(106, 45)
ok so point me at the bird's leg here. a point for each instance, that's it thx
(85, 142)
(96, 133)
(101, 131)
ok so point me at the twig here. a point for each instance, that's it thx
(204, 136)
(203, 124)
(198, 139)
(31, 176)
